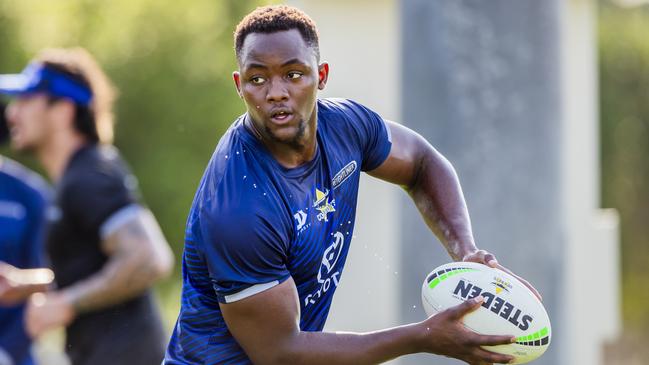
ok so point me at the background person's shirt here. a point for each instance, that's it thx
(254, 223)
(23, 203)
(96, 189)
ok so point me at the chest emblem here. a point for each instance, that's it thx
(323, 205)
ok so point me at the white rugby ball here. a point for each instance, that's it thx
(509, 308)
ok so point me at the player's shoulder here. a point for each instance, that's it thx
(343, 106)
(236, 183)
(96, 169)
(344, 111)
(94, 162)
(225, 157)
(234, 171)
(24, 180)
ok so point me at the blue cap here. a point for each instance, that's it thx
(37, 77)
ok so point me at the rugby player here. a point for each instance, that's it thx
(105, 246)
(23, 200)
(272, 220)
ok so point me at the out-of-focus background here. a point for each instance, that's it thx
(172, 63)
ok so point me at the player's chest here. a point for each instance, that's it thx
(323, 209)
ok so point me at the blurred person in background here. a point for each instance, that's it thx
(23, 202)
(105, 246)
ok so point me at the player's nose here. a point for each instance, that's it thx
(277, 91)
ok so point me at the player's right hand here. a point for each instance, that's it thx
(446, 335)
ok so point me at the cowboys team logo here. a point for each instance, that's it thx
(323, 205)
(501, 285)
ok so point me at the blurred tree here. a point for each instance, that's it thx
(172, 63)
(624, 99)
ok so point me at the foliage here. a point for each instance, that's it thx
(172, 63)
(624, 100)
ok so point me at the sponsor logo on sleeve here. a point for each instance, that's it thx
(343, 174)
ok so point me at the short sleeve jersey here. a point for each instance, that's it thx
(23, 202)
(254, 223)
(96, 186)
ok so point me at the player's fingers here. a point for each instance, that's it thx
(493, 340)
(490, 260)
(482, 257)
(487, 357)
(525, 282)
(461, 310)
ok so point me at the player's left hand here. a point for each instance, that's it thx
(487, 258)
(47, 311)
(17, 284)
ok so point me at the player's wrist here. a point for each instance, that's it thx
(421, 335)
(463, 249)
(68, 303)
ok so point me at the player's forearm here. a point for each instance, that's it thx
(437, 194)
(135, 263)
(327, 348)
(120, 279)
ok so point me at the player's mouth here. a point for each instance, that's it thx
(281, 116)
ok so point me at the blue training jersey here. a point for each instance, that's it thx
(254, 224)
(23, 199)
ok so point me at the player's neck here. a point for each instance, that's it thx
(56, 152)
(289, 155)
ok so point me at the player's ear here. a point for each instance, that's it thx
(236, 76)
(323, 75)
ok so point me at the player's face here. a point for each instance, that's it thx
(28, 118)
(279, 79)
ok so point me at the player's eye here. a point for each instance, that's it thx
(294, 75)
(257, 80)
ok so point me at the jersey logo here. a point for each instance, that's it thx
(323, 205)
(300, 217)
(328, 277)
(343, 174)
(330, 256)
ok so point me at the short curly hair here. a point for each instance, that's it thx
(276, 18)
